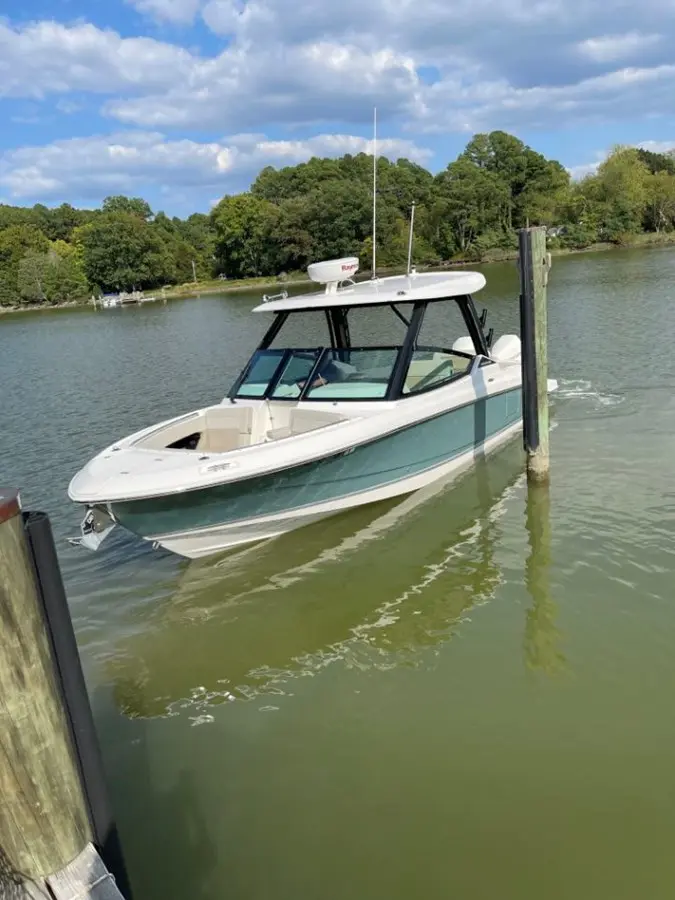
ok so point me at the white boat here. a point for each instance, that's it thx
(111, 301)
(308, 431)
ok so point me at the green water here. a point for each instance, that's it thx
(469, 696)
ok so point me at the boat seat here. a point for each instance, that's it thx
(302, 421)
(220, 440)
(276, 434)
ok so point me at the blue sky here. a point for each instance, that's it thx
(182, 101)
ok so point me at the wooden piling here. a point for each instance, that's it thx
(53, 806)
(43, 818)
(534, 264)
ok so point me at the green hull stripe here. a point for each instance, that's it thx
(395, 457)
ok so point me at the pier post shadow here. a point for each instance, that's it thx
(479, 425)
(542, 637)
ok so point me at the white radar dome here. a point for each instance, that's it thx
(333, 270)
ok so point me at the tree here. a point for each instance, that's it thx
(65, 278)
(15, 243)
(54, 276)
(294, 181)
(504, 156)
(58, 224)
(545, 188)
(657, 162)
(121, 251)
(470, 199)
(621, 189)
(197, 230)
(660, 208)
(246, 243)
(134, 206)
(534, 182)
(31, 273)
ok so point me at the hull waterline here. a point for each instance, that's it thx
(200, 542)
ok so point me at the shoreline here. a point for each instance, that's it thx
(643, 242)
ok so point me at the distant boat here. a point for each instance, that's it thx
(124, 298)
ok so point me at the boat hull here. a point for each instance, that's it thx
(201, 522)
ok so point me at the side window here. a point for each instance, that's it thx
(432, 367)
(443, 350)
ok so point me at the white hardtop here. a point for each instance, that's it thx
(395, 289)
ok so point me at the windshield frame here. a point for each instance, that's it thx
(337, 318)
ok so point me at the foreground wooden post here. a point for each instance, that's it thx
(43, 818)
(534, 264)
(53, 802)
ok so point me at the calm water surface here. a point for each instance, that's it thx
(469, 696)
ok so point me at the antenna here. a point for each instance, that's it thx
(374, 191)
(410, 238)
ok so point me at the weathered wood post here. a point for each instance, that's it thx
(53, 805)
(43, 817)
(534, 265)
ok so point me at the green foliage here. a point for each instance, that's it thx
(31, 273)
(54, 276)
(322, 209)
(16, 242)
(533, 182)
(247, 242)
(133, 206)
(657, 162)
(660, 206)
(470, 199)
(121, 251)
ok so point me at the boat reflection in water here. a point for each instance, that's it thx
(371, 587)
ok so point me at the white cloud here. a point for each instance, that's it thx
(181, 12)
(49, 58)
(68, 106)
(617, 47)
(137, 161)
(454, 106)
(307, 83)
(657, 146)
(225, 17)
(428, 65)
(581, 171)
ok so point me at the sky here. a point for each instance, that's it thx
(182, 101)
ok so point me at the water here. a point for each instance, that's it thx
(419, 699)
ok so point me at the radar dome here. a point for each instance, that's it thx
(333, 271)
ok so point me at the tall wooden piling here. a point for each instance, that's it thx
(54, 812)
(534, 265)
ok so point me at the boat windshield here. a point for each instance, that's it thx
(357, 373)
(343, 362)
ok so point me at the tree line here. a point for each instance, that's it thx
(322, 209)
